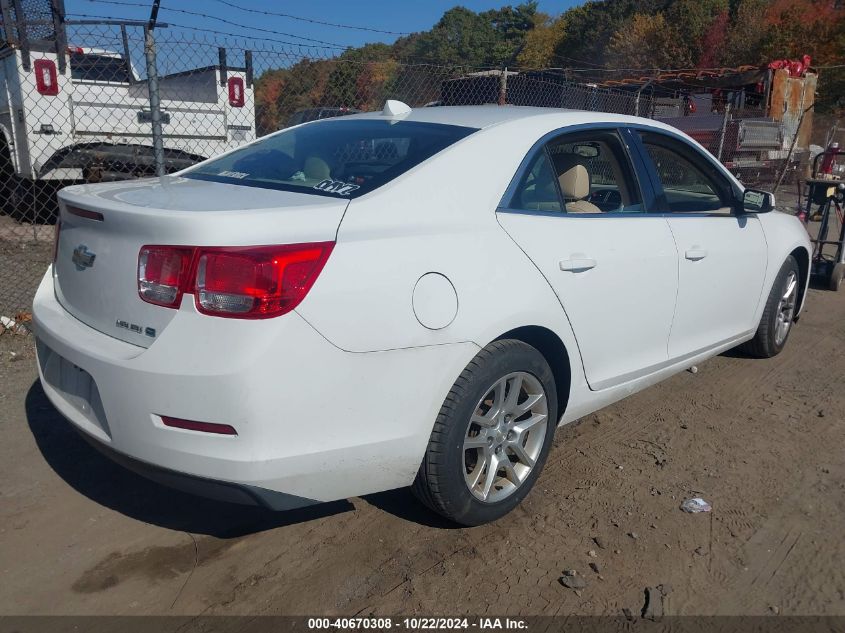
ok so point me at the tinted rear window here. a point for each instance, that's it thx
(338, 158)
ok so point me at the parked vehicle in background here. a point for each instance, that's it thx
(315, 114)
(71, 113)
(403, 297)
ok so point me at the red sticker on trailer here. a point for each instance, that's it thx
(236, 92)
(46, 77)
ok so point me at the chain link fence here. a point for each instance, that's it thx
(85, 101)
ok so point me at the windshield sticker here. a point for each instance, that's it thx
(233, 174)
(336, 186)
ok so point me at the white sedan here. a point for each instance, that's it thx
(407, 297)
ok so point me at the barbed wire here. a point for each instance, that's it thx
(311, 20)
(225, 21)
(300, 46)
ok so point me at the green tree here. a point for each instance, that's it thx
(511, 25)
(540, 42)
(463, 37)
(648, 41)
(744, 36)
(590, 27)
(460, 37)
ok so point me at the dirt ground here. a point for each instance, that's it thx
(762, 441)
(25, 253)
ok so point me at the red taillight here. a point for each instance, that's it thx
(257, 282)
(162, 274)
(240, 282)
(236, 92)
(46, 78)
(204, 427)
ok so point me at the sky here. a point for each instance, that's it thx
(385, 15)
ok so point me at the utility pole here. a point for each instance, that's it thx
(152, 84)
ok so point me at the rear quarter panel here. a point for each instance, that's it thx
(439, 217)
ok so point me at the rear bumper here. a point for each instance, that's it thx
(314, 423)
(210, 488)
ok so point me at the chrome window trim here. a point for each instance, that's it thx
(612, 214)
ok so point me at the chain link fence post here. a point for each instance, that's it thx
(639, 92)
(788, 158)
(155, 102)
(724, 131)
(152, 84)
(503, 87)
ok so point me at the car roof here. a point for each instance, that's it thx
(484, 116)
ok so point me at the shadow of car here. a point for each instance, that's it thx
(102, 480)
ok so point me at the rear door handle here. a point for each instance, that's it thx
(695, 254)
(578, 263)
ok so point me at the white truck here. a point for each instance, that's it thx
(87, 117)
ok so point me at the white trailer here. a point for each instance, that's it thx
(75, 113)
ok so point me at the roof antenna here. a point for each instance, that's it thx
(393, 108)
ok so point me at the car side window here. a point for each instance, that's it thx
(537, 191)
(690, 183)
(584, 172)
(594, 174)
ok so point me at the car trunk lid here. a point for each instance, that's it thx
(103, 228)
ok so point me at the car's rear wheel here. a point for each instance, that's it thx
(778, 315)
(492, 435)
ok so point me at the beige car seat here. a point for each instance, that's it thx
(574, 179)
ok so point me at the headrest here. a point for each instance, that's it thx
(575, 182)
(316, 168)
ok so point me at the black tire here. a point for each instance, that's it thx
(18, 199)
(440, 483)
(7, 178)
(765, 343)
(836, 277)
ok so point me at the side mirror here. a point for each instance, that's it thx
(756, 201)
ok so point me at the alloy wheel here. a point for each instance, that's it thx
(505, 436)
(786, 308)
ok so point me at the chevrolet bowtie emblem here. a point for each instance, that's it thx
(82, 257)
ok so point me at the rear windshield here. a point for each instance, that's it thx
(337, 158)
